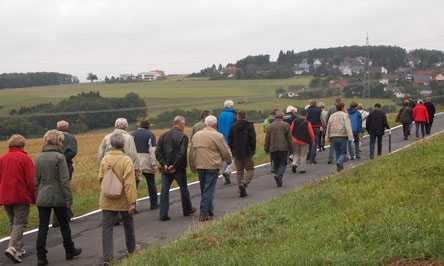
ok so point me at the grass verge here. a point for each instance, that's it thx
(387, 211)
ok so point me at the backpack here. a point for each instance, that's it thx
(111, 186)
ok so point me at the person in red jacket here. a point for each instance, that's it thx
(421, 118)
(17, 192)
(302, 136)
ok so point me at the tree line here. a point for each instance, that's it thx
(21, 80)
(85, 111)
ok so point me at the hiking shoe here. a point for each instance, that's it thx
(329, 162)
(211, 213)
(193, 210)
(42, 262)
(242, 191)
(13, 255)
(164, 219)
(227, 178)
(21, 252)
(302, 172)
(278, 181)
(205, 218)
(294, 169)
(73, 253)
(314, 162)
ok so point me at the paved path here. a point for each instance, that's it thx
(151, 232)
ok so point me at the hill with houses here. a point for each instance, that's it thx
(364, 71)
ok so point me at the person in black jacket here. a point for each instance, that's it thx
(242, 142)
(171, 153)
(376, 125)
(314, 117)
(432, 111)
(405, 117)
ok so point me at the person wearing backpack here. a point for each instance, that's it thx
(302, 135)
(117, 196)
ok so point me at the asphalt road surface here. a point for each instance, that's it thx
(151, 232)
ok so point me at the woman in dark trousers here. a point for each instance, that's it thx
(53, 194)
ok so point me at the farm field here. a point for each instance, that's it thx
(172, 94)
(159, 95)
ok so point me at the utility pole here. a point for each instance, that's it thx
(367, 69)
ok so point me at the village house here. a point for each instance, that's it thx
(423, 77)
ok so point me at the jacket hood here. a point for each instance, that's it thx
(352, 111)
(226, 109)
(242, 124)
(50, 147)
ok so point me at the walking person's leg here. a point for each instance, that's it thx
(405, 129)
(44, 214)
(296, 157)
(181, 179)
(331, 154)
(341, 151)
(108, 220)
(165, 196)
(357, 148)
(65, 229)
(302, 153)
(423, 131)
(18, 218)
(350, 149)
(372, 146)
(152, 190)
(130, 235)
(380, 137)
(204, 208)
(417, 125)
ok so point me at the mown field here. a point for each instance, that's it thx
(387, 212)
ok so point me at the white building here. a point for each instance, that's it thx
(151, 75)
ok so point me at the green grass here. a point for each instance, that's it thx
(389, 209)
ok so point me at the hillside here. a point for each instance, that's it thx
(388, 211)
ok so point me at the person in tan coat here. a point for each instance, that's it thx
(208, 154)
(125, 205)
(339, 131)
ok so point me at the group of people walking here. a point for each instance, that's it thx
(46, 184)
(216, 146)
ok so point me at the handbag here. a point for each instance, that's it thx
(111, 186)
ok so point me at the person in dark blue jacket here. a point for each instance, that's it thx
(224, 123)
(356, 124)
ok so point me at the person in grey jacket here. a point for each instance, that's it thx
(53, 194)
(278, 144)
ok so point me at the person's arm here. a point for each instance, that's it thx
(182, 152)
(288, 139)
(252, 138)
(153, 140)
(64, 180)
(191, 158)
(427, 115)
(160, 152)
(29, 171)
(129, 182)
(311, 132)
(398, 117)
(368, 122)
(267, 141)
(101, 152)
(348, 128)
(230, 138)
(386, 125)
(101, 172)
(131, 151)
(327, 132)
(74, 146)
(224, 151)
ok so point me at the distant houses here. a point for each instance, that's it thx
(143, 76)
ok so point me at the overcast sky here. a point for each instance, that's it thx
(182, 36)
